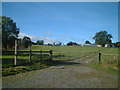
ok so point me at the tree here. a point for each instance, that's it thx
(9, 32)
(102, 38)
(87, 42)
(33, 43)
(72, 44)
(54, 44)
(57, 43)
(40, 42)
(25, 42)
(11, 42)
(117, 44)
(49, 44)
(60, 43)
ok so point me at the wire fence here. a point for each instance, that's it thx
(107, 58)
(66, 55)
(8, 57)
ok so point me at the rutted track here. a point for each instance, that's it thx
(72, 76)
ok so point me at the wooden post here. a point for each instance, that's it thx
(99, 58)
(60, 55)
(41, 55)
(15, 60)
(51, 54)
(30, 56)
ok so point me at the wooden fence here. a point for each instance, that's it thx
(50, 52)
(29, 54)
(100, 55)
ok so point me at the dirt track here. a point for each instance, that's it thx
(72, 76)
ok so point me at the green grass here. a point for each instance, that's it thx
(26, 67)
(60, 53)
(32, 66)
(104, 68)
(108, 63)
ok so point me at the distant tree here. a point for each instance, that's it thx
(72, 44)
(57, 44)
(87, 42)
(117, 44)
(26, 42)
(54, 44)
(102, 38)
(9, 32)
(69, 44)
(60, 43)
(49, 44)
(40, 42)
(33, 43)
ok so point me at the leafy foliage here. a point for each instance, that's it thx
(72, 44)
(102, 38)
(25, 42)
(40, 42)
(9, 32)
(57, 43)
(87, 42)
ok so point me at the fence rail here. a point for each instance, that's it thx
(59, 55)
(78, 51)
(29, 54)
(110, 54)
(106, 54)
(27, 51)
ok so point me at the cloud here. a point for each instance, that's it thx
(21, 35)
(48, 33)
(75, 39)
(61, 38)
(35, 38)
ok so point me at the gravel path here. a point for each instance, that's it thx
(69, 76)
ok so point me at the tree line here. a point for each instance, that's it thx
(101, 38)
(10, 33)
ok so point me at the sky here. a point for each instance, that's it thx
(63, 21)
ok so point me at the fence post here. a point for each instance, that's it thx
(30, 56)
(41, 55)
(15, 60)
(51, 54)
(99, 58)
(60, 55)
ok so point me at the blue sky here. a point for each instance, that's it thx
(64, 22)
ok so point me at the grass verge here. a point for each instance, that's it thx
(104, 68)
(29, 67)
(36, 65)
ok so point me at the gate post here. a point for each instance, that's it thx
(15, 60)
(51, 52)
(99, 58)
(30, 56)
(41, 55)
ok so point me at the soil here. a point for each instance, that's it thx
(72, 75)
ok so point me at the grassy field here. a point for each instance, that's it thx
(61, 53)
(109, 55)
